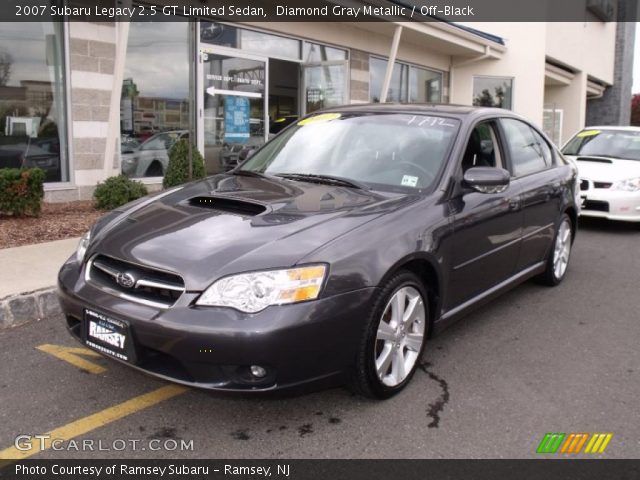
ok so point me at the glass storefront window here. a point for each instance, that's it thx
(425, 86)
(32, 98)
(314, 53)
(324, 86)
(234, 113)
(492, 92)
(154, 109)
(249, 41)
(408, 83)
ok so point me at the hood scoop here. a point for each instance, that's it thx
(233, 206)
(594, 159)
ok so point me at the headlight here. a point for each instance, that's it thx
(628, 185)
(82, 246)
(255, 291)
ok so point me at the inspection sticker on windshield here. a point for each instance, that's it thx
(325, 117)
(409, 181)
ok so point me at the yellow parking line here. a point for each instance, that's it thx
(72, 356)
(97, 420)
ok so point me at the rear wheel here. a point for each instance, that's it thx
(394, 338)
(558, 260)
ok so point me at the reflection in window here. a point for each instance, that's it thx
(249, 40)
(32, 98)
(526, 150)
(314, 53)
(408, 83)
(492, 92)
(155, 95)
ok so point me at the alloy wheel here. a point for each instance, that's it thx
(562, 249)
(400, 336)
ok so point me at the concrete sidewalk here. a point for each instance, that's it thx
(28, 277)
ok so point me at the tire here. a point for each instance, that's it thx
(154, 170)
(400, 349)
(562, 242)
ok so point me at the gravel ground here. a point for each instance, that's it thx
(56, 222)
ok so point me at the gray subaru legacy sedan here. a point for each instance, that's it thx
(330, 255)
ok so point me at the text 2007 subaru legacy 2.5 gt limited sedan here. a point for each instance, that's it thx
(330, 255)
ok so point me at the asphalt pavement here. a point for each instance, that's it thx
(537, 360)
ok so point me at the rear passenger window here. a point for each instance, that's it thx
(528, 151)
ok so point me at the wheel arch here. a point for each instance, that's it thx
(429, 272)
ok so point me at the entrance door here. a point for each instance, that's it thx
(324, 85)
(233, 108)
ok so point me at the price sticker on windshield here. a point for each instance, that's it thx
(325, 117)
(588, 133)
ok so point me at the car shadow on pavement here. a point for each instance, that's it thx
(607, 226)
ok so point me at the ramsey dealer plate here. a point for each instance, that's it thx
(107, 335)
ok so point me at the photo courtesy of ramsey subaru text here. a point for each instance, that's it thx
(331, 254)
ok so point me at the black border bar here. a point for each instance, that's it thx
(535, 469)
(321, 10)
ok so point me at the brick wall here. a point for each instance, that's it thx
(91, 64)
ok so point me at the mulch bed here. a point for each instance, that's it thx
(56, 222)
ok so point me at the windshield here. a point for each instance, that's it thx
(605, 143)
(383, 151)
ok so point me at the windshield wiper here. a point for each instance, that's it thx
(326, 179)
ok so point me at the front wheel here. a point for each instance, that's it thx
(394, 338)
(558, 259)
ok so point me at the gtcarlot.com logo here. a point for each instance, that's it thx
(42, 442)
(574, 442)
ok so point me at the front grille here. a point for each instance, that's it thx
(602, 184)
(135, 282)
(584, 185)
(596, 205)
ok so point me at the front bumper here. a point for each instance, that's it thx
(611, 204)
(213, 348)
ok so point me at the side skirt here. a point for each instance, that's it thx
(455, 314)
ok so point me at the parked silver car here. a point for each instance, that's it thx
(151, 158)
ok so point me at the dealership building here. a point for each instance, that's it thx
(86, 101)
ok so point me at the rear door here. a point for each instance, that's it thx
(487, 226)
(532, 166)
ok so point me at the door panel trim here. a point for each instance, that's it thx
(513, 279)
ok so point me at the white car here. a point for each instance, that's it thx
(608, 160)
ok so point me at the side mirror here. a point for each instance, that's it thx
(487, 179)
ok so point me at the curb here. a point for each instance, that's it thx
(27, 307)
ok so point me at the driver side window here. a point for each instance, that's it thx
(482, 148)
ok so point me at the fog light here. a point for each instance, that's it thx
(258, 371)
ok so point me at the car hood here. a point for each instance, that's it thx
(605, 169)
(228, 224)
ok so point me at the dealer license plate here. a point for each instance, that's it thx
(107, 335)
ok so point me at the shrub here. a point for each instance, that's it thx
(21, 191)
(116, 191)
(178, 169)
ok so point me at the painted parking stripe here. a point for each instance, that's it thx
(73, 355)
(97, 420)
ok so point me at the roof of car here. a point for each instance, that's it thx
(451, 109)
